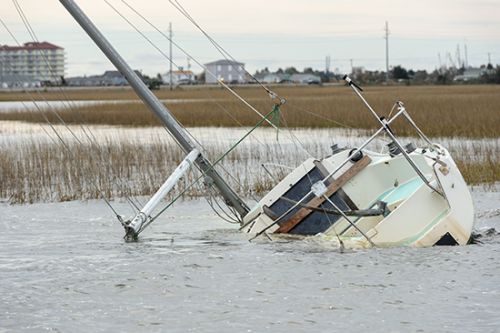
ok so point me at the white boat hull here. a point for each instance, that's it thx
(418, 215)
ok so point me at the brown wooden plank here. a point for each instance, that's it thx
(331, 189)
(324, 172)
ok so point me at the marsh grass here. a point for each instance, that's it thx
(40, 171)
(34, 170)
(450, 111)
(480, 170)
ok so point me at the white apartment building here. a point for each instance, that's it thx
(39, 61)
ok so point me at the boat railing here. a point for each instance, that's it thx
(385, 128)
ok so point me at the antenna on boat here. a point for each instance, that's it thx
(156, 106)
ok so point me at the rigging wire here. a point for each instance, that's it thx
(163, 54)
(176, 4)
(294, 138)
(226, 55)
(67, 103)
(28, 27)
(221, 82)
(213, 202)
(203, 173)
(65, 100)
(221, 50)
(217, 46)
(52, 127)
(63, 142)
(323, 208)
(320, 116)
(168, 58)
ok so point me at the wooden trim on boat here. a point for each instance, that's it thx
(333, 187)
(340, 192)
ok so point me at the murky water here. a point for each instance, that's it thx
(65, 268)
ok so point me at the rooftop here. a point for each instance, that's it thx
(183, 72)
(31, 46)
(225, 62)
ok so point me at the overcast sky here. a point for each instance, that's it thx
(276, 33)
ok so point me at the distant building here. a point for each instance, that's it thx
(113, 78)
(84, 81)
(179, 77)
(43, 62)
(109, 78)
(273, 78)
(471, 74)
(357, 71)
(226, 70)
(8, 81)
(305, 78)
(299, 78)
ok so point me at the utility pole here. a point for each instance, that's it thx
(452, 63)
(466, 56)
(328, 61)
(171, 83)
(459, 60)
(489, 59)
(387, 51)
(352, 66)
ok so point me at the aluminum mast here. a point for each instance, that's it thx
(154, 105)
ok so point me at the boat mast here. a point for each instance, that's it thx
(154, 105)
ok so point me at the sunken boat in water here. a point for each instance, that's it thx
(407, 196)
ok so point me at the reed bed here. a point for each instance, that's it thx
(479, 163)
(449, 111)
(33, 168)
(137, 161)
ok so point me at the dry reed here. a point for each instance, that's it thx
(450, 111)
(34, 171)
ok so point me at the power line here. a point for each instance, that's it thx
(170, 59)
(387, 51)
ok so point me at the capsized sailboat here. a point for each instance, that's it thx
(409, 196)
